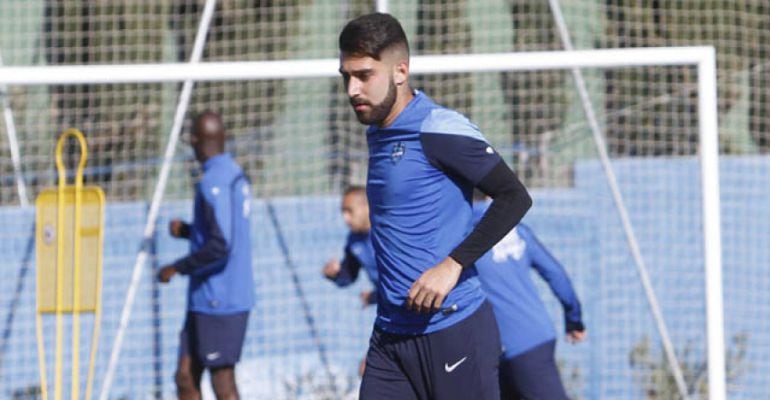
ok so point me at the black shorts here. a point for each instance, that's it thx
(213, 340)
(459, 362)
(532, 375)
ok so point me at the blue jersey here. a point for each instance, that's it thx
(422, 170)
(359, 253)
(219, 263)
(505, 274)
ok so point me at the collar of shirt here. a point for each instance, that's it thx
(217, 159)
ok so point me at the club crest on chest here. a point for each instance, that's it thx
(398, 152)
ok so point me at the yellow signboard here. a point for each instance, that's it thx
(68, 240)
(47, 232)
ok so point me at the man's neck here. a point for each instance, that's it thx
(208, 157)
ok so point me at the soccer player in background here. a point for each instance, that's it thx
(358, 246)
(435, 336)
(359, 252)
(220, 294)
(527, 368)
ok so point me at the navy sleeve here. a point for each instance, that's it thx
(551, 270)
(460, 156)
(349, 268)
(476, 162)
(510, 201)
(213, 255)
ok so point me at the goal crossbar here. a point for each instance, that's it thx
(324, 68)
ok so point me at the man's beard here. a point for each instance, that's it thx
(380, 111)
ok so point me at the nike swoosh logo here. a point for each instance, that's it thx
(212, 356)
(450, 368)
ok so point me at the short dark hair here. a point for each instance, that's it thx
(372, 34)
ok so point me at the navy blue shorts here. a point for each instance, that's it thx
(458, 362)
(213, 340)
(532, 375)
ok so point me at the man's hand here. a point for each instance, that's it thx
(366, 298)
(332, 269)
(179, 229)
(165, 274)
(362, 367)
(576, 336)
(429, 291)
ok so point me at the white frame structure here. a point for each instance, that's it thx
(704, 58)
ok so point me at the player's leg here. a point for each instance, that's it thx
(223, 383)
(532, 375)
(508, 390)
(465, 357)
(220, 340)
(188, 379)
(189, 370)
(383, 377)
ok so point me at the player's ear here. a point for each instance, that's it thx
(401, 72)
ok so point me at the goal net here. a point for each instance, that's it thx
(637, 224)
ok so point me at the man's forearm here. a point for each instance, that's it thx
(510, 201)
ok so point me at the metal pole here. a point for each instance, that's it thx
(381, 6)
(601, 146)
(181, 110)
(13, 143)
(712, 243)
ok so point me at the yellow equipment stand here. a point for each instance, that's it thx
(69, 224)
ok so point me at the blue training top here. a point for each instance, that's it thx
(422, 170)
(358, 253)
(219, 263)
(505, 275)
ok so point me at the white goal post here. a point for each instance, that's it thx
(703, 58)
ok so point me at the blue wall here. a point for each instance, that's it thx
(579, 224)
